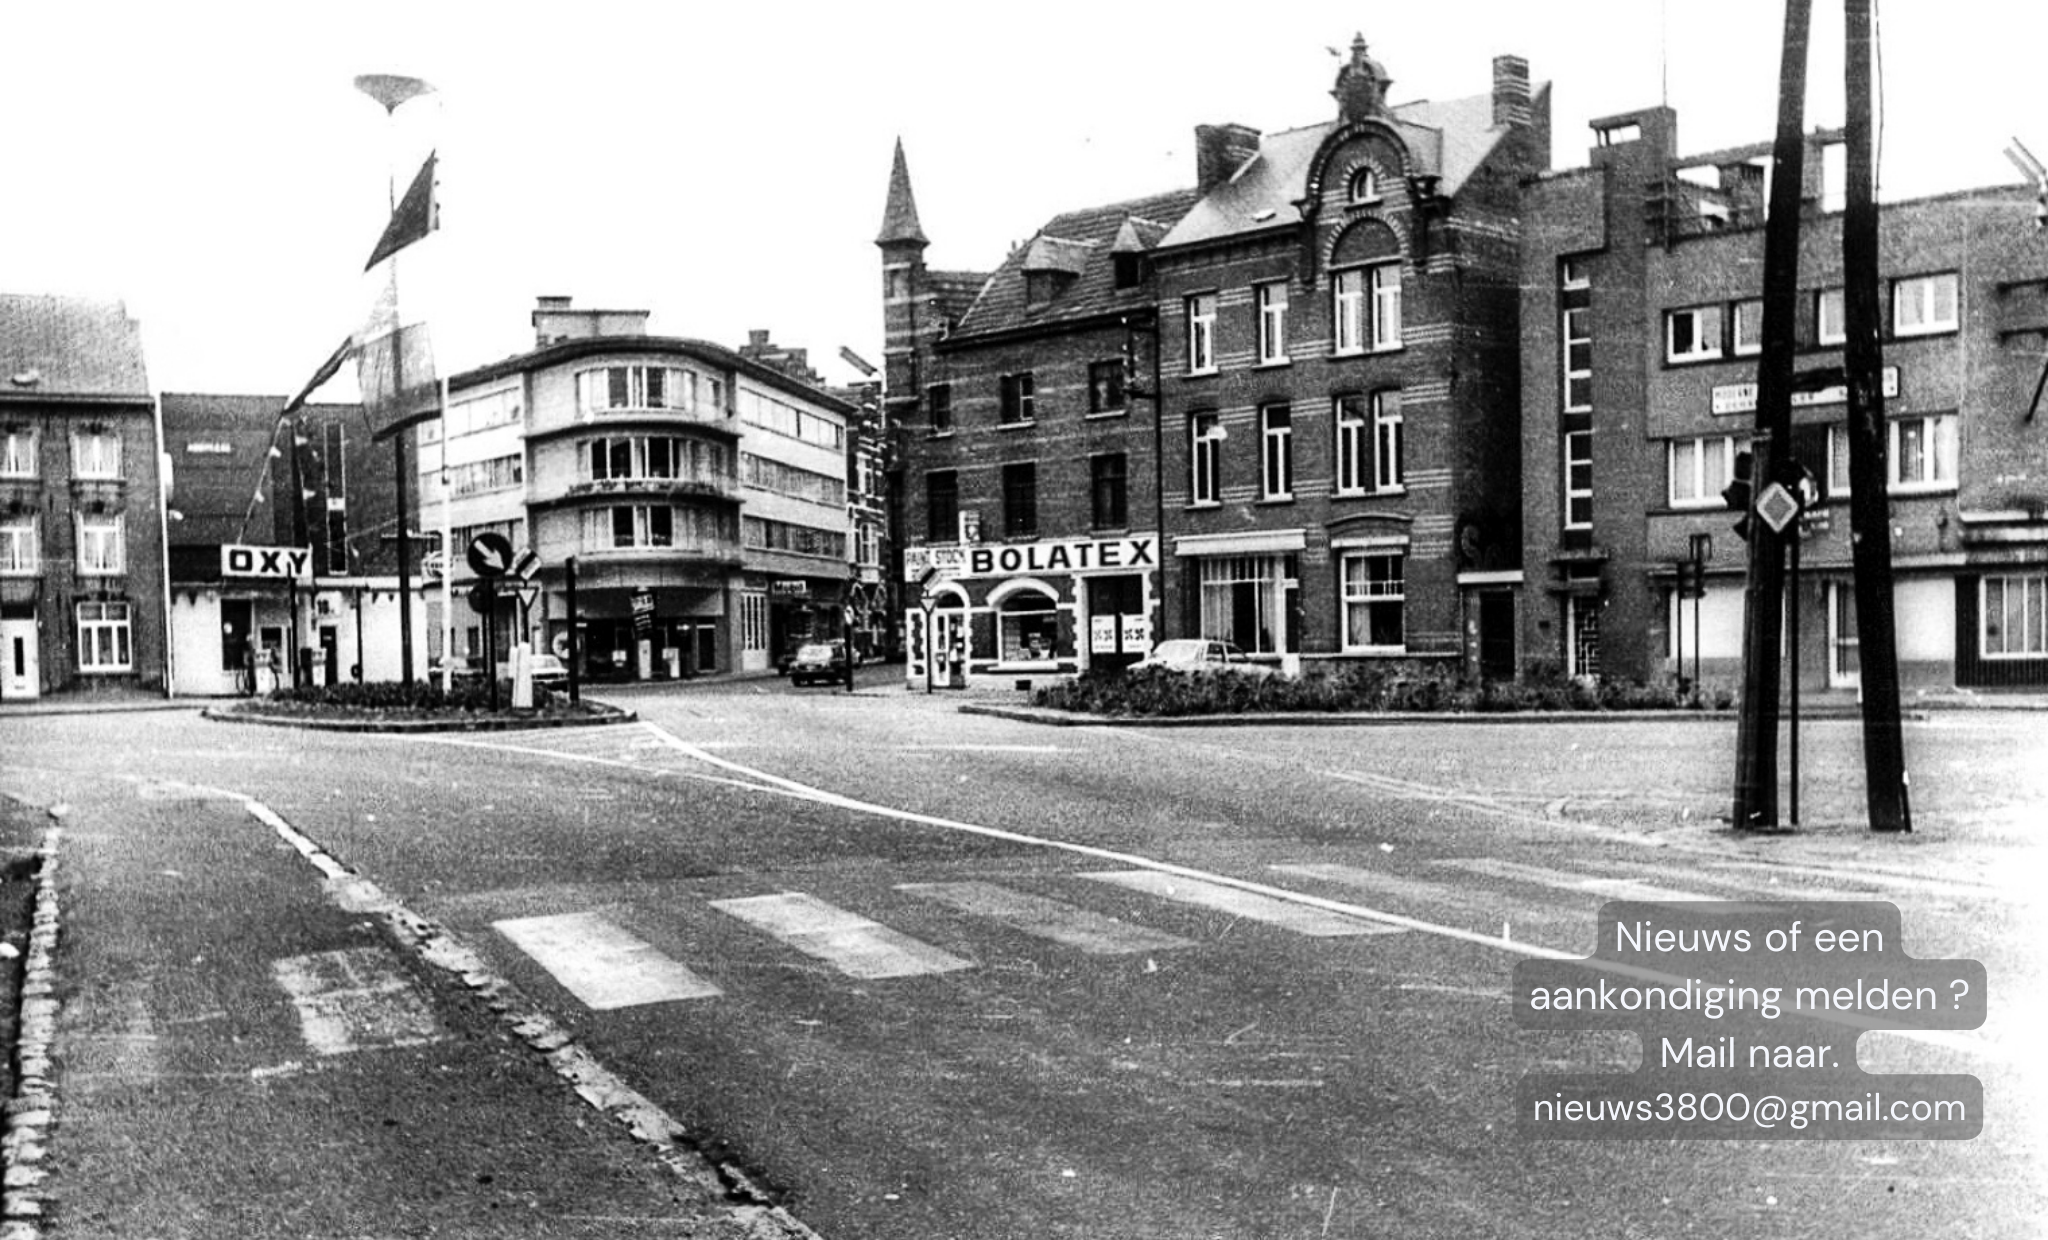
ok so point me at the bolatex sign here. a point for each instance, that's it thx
(275, 563)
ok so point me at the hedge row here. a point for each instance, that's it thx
(1354, 688)
(422, 696)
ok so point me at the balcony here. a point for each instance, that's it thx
(700, 485)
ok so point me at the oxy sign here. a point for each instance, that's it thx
(278, 563)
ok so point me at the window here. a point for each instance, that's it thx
(1201, 310)
(767, 535)
(1385, 282)
(642, 525)
(1347, 310)
(1205, 457)
(1019, 404)
(1020, 500)
(18, 453)
(497, 474)
(1276, 432)
(1828, 326)
(768, 474)
(1386, 441)
(19, 548)
(99, 544)
(1108, 487)
(1272, 303)
(1353, 446)
(867, 544)
(1699, 470)
(642, 387)
(1923, 305)
(1574, 273)
(939, 400)
(96, 454)
(1749, 327)
(941, 506)
(1365, 186)
(1838, 461)
(770, 414)
(103, 638)
(1692, 335)
(2013, 618)
(1106, 387)
(1249, 600)
(1578, 358)
(1923, 453)
(1030, 628)
(1578, 480)
(1373, 601)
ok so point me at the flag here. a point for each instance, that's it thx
(328, 369)
(395, 371)
(415, 217)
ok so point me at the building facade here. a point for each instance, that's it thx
(281, 546)
(700, 495)
(81, 535)
(1279, 408)
(1029, 462)
(1642, 309)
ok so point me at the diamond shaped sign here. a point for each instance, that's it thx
(1777, 507)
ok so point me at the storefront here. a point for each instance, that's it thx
(1051, 608)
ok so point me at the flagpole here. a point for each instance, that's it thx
(390, 91)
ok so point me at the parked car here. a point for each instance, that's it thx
(547, 670)
(826, 661)
(1201, 654)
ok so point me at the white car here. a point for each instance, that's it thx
(546, 670)
(1202, 654)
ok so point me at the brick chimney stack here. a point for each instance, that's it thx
(1510, 90)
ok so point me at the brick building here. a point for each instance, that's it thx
(81, 526)
(1278, 407)
(1642, 310)
(242, 474)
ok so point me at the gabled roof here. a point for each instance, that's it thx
(1450, 139)
(1080, 245)
(69, 347)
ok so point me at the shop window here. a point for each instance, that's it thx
(1029, 628)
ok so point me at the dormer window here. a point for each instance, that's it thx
(1129, 270)
(1365, 185)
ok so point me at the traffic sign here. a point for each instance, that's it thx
(527, 597)
(433, 566)
(1777, 507)
(490, 554)
(526, 565)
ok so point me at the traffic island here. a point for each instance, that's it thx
(415, 708)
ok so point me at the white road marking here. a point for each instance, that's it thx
(355, 1000)
(1251, 906)
(964, 748)
(1489, 908)
(847, 941)
(601, 963)
(1049, 919)
(1562, 880)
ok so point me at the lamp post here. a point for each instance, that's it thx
(391, 91)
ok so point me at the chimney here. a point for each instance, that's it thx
(1220, 150)
(1510, 90)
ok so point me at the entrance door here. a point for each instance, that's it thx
(1845, 663)
(1582, 635)
(19, 677)
(1497, 634)
(330, 654)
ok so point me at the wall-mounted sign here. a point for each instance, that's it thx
(1075, 555)
(1741, 397)
(279, 563)
(938, 561)
(789, 587)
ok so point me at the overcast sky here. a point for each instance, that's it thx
(725, 166)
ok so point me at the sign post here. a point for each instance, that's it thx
(489, 555)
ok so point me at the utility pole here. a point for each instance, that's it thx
(1756, 743)
(1870, 523)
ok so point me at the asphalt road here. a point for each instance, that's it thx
(936, 975)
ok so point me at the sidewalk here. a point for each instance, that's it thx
(217, 1042)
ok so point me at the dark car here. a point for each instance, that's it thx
(816, 661)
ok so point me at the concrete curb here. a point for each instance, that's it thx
(1362, 719)
(607, 716)
(30, 1112)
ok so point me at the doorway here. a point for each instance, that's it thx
(20, 674)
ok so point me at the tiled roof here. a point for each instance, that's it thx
(1450, 139)
(1077, 244)
(69, 346)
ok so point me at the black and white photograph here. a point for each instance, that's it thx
(900, 620)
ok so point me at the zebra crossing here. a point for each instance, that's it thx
(606, 966)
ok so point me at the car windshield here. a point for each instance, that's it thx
(816, 650)
(1178, 651)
